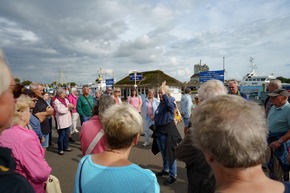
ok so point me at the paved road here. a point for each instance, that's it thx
(64, 167)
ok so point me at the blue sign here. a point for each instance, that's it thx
(208, 75)
(138, 76)
(109, 82)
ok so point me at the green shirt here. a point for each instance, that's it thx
(279, 118)
(85, 105)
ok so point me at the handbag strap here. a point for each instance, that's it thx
(95, 141)
(88, 101)
(80, 180)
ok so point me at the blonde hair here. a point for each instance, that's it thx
(121, 123)
(5, 74)
(22, 104)
(231, 129)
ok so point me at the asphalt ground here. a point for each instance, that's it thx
(64, 167)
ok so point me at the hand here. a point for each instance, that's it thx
(71, 106)
(275, 145)
(42, 140)
(152, 117)
(49, 110)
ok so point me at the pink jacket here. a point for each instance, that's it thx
(63, 116)
(73, 100)
(89, 130)
(28, 154)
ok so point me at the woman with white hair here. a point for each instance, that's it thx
(73, 98)
(25, 146)
(10, 181)
(111, 171)
(64, 121)
(232, 133)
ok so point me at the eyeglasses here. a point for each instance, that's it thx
(17, 90)
(196, 98)
(117, 91)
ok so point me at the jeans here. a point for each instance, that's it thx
(84, 119)
(147, 123)
(63, 139)
(161, 142)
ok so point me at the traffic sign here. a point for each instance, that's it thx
(138, 76)
(208, 75)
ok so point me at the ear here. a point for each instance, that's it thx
(209, 157)
(135, 140)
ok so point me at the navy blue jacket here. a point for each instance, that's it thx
(164, 113)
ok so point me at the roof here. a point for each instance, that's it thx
(150, 78)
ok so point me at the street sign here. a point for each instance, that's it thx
(208, 75)
(109, 82)
(138, 76)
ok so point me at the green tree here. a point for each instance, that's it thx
(26, 82)
(17, 80)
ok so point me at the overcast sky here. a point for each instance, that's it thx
(40, 37)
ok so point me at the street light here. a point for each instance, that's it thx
(135, 75)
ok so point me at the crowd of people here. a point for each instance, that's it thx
(226, 137)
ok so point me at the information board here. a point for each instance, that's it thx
(208, 75)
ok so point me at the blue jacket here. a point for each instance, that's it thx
(35, 124)
(165, 111)
(155, 104)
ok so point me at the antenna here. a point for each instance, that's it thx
(252, 65)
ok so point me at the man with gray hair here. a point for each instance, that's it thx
(278, 121)
(274, 84)
(42, 111)
(198, 170)
(10, 181)
(234, 89)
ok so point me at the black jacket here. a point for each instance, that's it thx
(10, 181)
(173, 138)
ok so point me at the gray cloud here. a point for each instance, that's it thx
(40, 38)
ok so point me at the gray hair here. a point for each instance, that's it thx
(232, 130)
(276, 83)
(104, 103)
(210, 89)
(34, 85)
(60, 90)
(73, 89)
(121, 123)
(5, 74)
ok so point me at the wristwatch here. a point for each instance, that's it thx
(280, 141)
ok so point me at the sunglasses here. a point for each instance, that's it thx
(17, 90)
(117, 91)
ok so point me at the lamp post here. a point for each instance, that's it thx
(135, 76)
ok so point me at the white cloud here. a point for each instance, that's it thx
(42, 37)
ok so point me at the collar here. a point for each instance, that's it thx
(282, 107)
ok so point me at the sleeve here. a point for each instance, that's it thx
(169, 103)
(153, 186)
(78, 173)
(60, 108)
(33, 162)
(185, 148)
(140, 100)
(35, 124)
(79, 106)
